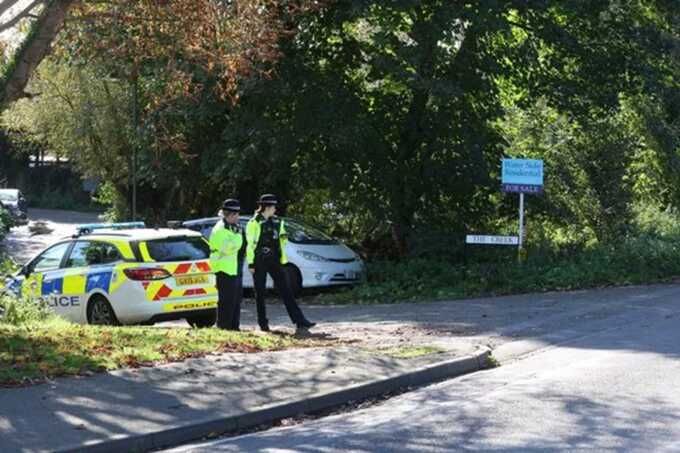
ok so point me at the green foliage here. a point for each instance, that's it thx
(108, 196)
(22, 311)
(6, 222)
(385, 122)
(589, 177)
(652, 254)
(652, 221)
(391, 110)
(409, 352)
(81, 115)
(7, 266)
(18, 311)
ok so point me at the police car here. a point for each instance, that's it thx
(124, 274)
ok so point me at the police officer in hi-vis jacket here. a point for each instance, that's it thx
(227, 250)
(266, 236)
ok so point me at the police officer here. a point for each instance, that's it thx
(227, 250)
(266, 236)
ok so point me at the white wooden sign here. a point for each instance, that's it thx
(491, 240)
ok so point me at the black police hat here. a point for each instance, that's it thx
(268, 199)
(231, 205)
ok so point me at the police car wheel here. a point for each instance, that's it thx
(100, 312)
(202, 321)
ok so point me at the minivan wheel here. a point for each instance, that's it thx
(202, 321)
(100, 312)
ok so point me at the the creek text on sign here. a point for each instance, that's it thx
(491, 240)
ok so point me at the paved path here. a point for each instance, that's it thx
(611, 388)
(69, 413)
(21, 244)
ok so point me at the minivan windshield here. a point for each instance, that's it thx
(299, 233)
(9, 195)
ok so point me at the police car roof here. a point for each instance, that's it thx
(140, 234)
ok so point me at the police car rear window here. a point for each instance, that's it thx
(178, 249)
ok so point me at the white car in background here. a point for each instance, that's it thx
(13, 200)
(314, 258)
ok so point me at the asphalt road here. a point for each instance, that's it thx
(22, 243)
(613, 389)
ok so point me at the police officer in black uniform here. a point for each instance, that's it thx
(266, 236)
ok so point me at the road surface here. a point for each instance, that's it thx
(615, 389)
(22, 244)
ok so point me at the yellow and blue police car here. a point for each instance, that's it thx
(124, 274)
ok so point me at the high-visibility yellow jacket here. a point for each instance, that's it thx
(225, 243)
(253, 231)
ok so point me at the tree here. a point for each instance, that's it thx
(82, 116)
(227, 38)
(393, 104)
(184, 58)
(589, 181)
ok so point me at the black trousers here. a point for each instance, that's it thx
(269, 264)
(229, 295)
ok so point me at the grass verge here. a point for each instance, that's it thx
(34, 352)
(408, 352)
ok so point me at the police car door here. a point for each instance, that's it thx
(79, 269)
(44, 275)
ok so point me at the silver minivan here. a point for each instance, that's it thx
(314, 258)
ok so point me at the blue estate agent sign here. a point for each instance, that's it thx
(522, 175)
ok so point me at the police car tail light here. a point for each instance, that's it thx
(147, 273)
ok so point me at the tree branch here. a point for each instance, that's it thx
(6, 5)
(25, 13)
(32, 52)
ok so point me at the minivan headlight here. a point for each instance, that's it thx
(311, 256)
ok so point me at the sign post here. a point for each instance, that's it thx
(522, 176)
(521, 220)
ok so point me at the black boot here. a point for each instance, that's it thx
(305, 324)
(264, 326)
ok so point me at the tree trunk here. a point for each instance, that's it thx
(407, 185)
(33, 50)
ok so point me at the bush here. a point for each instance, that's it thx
(634, 260)
(7, 266)
(18, 311)
(6, 222)
(22, 311)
